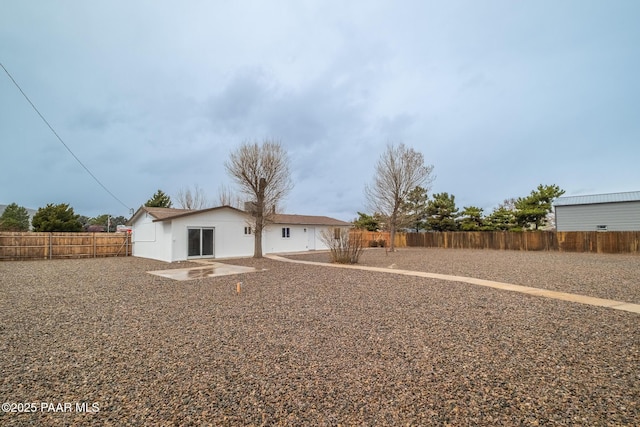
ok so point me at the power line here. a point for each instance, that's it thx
(60, 139)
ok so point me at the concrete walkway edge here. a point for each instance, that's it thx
(582, 299)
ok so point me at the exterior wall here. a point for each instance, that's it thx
(273, 242)
(301, 238)
(151, 239)
(167, 240)
(621, 216)
(229, 238)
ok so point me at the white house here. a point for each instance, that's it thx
(169, 234)
(599, 212)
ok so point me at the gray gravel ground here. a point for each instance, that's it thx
(311, 345)
(609, 276)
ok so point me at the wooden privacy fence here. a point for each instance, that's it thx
(29, 246)
(563, 241)
(380, 238)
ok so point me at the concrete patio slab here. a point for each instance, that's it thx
(212, 269)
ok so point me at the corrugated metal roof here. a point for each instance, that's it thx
(630, 196)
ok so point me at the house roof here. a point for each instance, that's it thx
(157, 213)
(164, 214)
(630, 196)
(307, 220)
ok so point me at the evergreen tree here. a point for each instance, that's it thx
(56, 218)
(533, 209)
(366, 222)
(442, 212)
(159, 200)
(414, 209)
(502, 219)
(115, 222)
(14, 218)
(471, 219)
(84, 220)
(108, 221)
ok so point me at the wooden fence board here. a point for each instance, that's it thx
(381, 238)
(567, 241)
(33, 245)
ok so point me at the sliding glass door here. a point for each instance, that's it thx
(200, 242)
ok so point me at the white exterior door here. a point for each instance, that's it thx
(311, 239)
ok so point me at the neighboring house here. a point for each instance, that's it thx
(599, 212)
(168, 234)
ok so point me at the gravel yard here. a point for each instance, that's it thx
(608, 276)
(311, 345)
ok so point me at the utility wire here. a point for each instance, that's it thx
(60, 139)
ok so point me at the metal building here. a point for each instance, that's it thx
(598, 212)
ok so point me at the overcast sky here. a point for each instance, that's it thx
(499, 96)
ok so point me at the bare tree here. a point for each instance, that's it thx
(262, 173)
(508, 204)
(226, 197)
(399, 170)
(192, 200)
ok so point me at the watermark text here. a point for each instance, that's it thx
(29, 407)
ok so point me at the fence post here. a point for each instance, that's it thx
(94, 245)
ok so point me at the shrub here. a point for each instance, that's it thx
(345, 247)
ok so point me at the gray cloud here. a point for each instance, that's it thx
(499, 96)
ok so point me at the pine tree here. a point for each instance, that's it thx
(534, 208)
(14, 218)
(471, 219)
(366, 222)
(442, 212)
(56, 218)
(414, 209)
(159, 200)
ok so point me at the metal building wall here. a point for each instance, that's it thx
(621, 216)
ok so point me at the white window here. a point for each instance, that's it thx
(286, 232)
(601, 227)
(247, 231)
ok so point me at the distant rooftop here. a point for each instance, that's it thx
(630, 196)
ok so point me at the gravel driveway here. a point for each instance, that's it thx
(311, 345)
